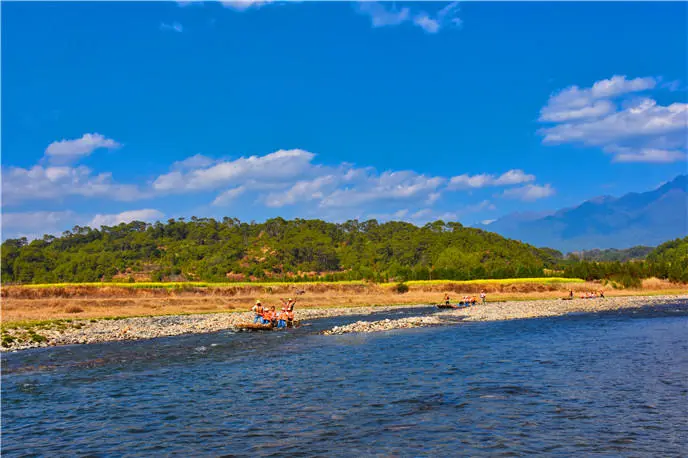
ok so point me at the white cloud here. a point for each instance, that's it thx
(54, 183)
(387, 186)
(302, 191)
(292, 177)
(427, 23)
(529, 192)
(512, 177)
(174, 27)
(194, 162)
(649, 155)
(487, 221)
(445, 16)
(396, 216)
(242, 5)
(59, 180)
(34, 225)
(282, 164)
(382, 16)
(421, 213)
(68, 150)
(576, 103)
(147, 215)
(433, 197)
(633, 129)
(34, 221)
(229, 196)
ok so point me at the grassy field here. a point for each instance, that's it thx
(488, 282)
(198, 284)
(103, 300)
(187, 284)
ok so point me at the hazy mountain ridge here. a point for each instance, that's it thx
(645, 218)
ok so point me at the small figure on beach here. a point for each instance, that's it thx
(601, 294)
(447, 300)
(570, 294)
(483, 296)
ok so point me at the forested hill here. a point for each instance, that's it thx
(611, 254)
(211, 250)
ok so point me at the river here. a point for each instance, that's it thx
(611, 384)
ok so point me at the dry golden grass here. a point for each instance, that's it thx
(23, 304)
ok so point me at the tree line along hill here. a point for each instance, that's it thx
(299, 250)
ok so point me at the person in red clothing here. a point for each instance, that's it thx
(269, 315)
(282, 319)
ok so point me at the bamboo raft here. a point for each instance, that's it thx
(264, 327)
(452, 306)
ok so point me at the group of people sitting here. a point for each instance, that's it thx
(588, 294)
(268, 315)
(467, 300)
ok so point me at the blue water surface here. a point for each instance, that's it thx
(613, 384)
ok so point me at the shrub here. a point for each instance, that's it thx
(401, 288)
(626, 281)
(34, 337)
(74, 309)
(7, 340)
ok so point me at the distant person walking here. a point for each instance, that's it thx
(483, 296)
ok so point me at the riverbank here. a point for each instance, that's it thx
(34, 334)
(97, 301)
(20, 336)
(512, 310)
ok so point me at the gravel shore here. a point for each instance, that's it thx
(512, 310)
(105, 330)
(92, 331)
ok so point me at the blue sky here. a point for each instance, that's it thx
(412, 111)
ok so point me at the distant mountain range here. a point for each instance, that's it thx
(647, 218)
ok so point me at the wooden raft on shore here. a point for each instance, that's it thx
(264, 327)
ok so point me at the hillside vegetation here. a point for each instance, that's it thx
(635, 253)
(278, 250)
(297, 250)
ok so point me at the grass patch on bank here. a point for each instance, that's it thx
(197, 284)
(496, 281)
(186, 284)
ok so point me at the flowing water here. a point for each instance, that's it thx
(613, 384)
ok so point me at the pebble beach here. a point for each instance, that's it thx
(105, 330)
